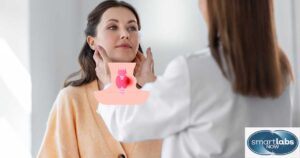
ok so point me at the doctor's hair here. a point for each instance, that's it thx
(243, 41)
(87, 71)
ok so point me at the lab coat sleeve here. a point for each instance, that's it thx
(165, 112)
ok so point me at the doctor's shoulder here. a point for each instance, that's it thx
(181, 60)
(198, 59)
(192, 65)
(199, 55)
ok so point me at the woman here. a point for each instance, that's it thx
(204, 101)
(74, 129)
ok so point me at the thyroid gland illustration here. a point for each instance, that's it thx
(123, 87)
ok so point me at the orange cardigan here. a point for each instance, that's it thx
(75, 130)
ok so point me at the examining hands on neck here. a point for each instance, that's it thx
(143, 72)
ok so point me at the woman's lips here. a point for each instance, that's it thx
(123, 46)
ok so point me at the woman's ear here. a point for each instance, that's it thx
(91, 41)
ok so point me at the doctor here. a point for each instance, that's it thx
(203, 102)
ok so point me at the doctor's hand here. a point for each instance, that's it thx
(102, 70)
(144, 70)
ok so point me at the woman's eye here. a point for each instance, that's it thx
(112, 27)
(132, 28)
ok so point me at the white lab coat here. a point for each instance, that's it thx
(193, 108)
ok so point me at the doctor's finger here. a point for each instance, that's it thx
(137, 58)
(103, 54)
(152, 67)
(149, 55)
(97, 57)
(140, 56)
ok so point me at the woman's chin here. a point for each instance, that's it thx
(126, 60)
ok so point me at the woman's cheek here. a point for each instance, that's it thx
(108, 43)
(136, 42)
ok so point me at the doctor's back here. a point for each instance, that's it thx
(219, 115)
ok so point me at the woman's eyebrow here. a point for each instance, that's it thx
(114, 20)
(132, 21)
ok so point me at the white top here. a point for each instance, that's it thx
(194, 109)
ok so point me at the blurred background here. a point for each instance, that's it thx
(40, 41)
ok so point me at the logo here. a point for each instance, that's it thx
(279, 142)
(272, 142)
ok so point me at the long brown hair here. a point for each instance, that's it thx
(87, 64)
(242, 39)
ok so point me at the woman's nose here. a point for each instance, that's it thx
(124, 34)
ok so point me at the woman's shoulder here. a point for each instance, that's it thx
(71, 91)
(70, 94)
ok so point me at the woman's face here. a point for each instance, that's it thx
(117, 33)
